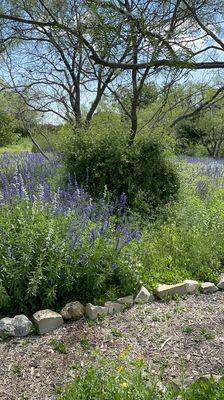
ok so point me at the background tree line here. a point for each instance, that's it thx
(117, 74)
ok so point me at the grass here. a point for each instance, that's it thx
(55, 142)
(24, 145)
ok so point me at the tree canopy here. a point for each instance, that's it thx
(76, 52)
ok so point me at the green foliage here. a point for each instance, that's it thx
(14, 115)
(24, 144)
(171, 248)
(204, 129)
(105, 161)
(4, 298)
(149, 94)
(131, 379)
(58, 345)
(51, 139)
(187, 137)
(41, 269)
(7, 130)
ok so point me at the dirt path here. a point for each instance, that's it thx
(178, 337)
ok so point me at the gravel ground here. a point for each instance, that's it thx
(179, 337)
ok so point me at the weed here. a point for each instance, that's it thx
(58, 345)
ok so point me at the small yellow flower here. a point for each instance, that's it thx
(120, 368)
(124, 385)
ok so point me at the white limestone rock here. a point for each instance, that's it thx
(221, 282)
(93, 312)
(192, 286)
(47, 320)
(208, 288)
(114, 307)
(127, 301)
(208, 377)
(144, 296)
(6, 328)
(164, 291)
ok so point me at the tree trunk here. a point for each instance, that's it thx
(76, 107)
(134, 100)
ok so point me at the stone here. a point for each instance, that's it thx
(208, 377)
(175, 384)
(22, 325)
(221, 282)
(6, 328)
(93, 312)
(127, 301)
(179, 383)
(73, 311)
(208, 287)
(161, 387)
(114, 307)
(47, 320)
(144, 296)
(179, 289)
(192, 286)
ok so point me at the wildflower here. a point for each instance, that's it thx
(120, 368)
(125, 385)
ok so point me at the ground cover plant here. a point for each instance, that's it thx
(58, 244)
(124, 379)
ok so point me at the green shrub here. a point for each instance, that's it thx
(106, 161)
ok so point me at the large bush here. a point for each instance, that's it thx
(106, 161)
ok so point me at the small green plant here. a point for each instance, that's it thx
(85, 343)
(116, 332)
(24, 397)
(58, 345)
(206, 333)
(188, 330)
(17, 369)
(156, 318)
(161, 318)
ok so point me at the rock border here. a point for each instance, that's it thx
(48, 320)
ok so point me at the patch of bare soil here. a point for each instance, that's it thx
(179, 337)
